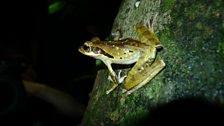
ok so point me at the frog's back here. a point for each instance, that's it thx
(126, 51)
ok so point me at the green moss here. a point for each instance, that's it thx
(134, 118)
(115, 115)
(170, 47)
(167, 5)
(191, 45)
(220, 49)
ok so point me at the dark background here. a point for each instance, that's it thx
(50, 41)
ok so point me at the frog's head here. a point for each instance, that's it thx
(89, 49)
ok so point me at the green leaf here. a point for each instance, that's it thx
(55, 7)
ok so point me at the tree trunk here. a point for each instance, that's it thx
(191, 32)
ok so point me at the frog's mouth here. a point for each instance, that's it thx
(93, 51)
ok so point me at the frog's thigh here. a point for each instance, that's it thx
(146, 35)
(140, 70)
(153, 70)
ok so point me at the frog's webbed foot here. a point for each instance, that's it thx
(115, 84)
(113, 87)
(114, 80)
(119, 80)
(151, 22)
(124, 90)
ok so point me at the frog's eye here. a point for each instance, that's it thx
(86, 48)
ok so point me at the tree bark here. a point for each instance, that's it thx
(191, 32)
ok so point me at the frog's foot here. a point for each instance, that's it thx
(151, 22)
(127, 92)
(130, 91)
(113, 87)
(109, 78)
(119, 78)
(124, 90)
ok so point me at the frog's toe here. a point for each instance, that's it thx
(108, 91)
(124, 91)
(109, 78)
(121, 79)
(114, 86)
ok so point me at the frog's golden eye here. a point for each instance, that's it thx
(86, 48)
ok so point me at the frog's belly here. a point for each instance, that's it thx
(130, 60)
(120, 60)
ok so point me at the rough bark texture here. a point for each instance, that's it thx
(191, 32)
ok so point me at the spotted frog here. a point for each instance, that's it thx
(142, 52)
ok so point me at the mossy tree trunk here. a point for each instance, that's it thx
(191, 32)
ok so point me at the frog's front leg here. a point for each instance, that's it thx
(112, 75)
(119, 78)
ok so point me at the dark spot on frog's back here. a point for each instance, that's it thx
(134, 44)
(146, 33)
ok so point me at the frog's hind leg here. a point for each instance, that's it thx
(151, 22)
(152, 71)
(139, 71)
(147, 36)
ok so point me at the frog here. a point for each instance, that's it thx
(142, 53)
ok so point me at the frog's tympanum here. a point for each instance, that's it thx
(142, 52)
